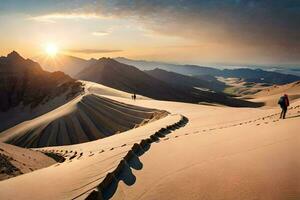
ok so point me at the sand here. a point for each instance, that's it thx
(16, 161)
(238, 87)
(86, 118)
(271, 95)
(195, 152)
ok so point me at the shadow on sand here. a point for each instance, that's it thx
(107, 188)
(290, 117)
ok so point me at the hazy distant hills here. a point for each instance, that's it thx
(190, 70)
(24, 83)
(179, 80)
(259, 76)
(249, 75)
(68, 64)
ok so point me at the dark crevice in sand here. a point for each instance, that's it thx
(55, 156)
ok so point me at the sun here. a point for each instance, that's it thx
(51, 50)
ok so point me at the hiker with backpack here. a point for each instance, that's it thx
(284, 104)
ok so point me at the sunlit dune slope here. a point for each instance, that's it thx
(15, 161)
(270, 95)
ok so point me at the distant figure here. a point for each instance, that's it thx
(284, 104)
(134, 96)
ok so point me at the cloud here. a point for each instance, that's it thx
(51, 18)
(100, 33)
(94, 51)
(256, 27)
(260, 22)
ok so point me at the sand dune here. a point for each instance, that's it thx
(15, 161)
(86, 118)
(195, 152)
(271, 94)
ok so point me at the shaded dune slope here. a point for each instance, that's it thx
(85, 119)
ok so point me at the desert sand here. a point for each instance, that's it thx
(85, 118)
(270, 95)
(16, 161)
(190, 152)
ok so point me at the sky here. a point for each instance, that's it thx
(207, 32)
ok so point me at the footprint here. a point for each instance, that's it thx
(80, 155)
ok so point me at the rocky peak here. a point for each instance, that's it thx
(14, 56)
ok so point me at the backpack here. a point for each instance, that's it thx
(281, 101)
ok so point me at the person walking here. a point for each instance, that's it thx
(134, 96)
(284, 104)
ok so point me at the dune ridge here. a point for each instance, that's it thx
(86, 118)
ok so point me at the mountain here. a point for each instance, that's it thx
(73, 65)
(179, 80)
(24, 84)
(68, 64)
(259, 76)
(249, 75)
(112, 73)
(190, 70)
(127, 78)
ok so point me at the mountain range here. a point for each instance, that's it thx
(72, 66)
(114, 74)
(24, 84)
